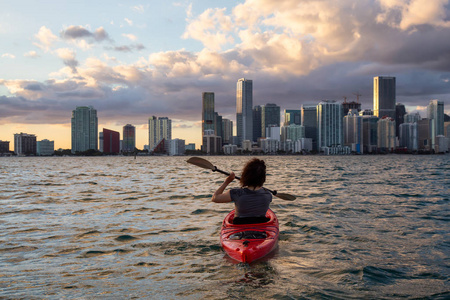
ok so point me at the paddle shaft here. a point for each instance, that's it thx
(238, 178)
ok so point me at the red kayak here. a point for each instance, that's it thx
(249, 242)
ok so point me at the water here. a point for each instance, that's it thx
(117, 227)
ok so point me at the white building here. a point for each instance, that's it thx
(230, 149)
(304, 144)
(269, 145)
(158, 129)
(247, 145)
(329, 124)
(273, 132)
(177, 147)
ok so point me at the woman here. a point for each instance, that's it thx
(251, 200)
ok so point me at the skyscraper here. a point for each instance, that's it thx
(244, 112)
(25, 144)
(309, 120)
(227, 127)
(111, 141)
(400, 112)
(386, 134)
(159, 129)
(207, 112)
(84, 129)
(384, 97)
(353, 131)
(435, 112)
(257, 131)
(329, 124)
(129, 138)
(270, 116)
(292, 116)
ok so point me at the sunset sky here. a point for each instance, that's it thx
(131, 60)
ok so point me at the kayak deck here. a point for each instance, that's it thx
(249, 242)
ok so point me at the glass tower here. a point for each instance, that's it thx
(84, 129)
(244, 112)
(329, 124)
(384, 97)
(270, 116)
(129, 138)
(207, 112)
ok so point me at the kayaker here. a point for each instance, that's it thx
(251, 200)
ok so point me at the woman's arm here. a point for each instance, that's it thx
(221, 197)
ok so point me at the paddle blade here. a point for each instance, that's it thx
(200, 162)
(284, 196)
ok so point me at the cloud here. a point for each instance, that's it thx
(130, 36)
(45, 38)
(32, 54)
(81, 33)
(409, 14)
(296, 52)
(212, 28)
(8, 55)
(68, 57)
(127, 48)
(129, 22)
(139, 8)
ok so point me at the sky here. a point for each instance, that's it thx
(131, 60)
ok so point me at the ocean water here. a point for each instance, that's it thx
(362, 227)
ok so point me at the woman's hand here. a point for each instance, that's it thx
(230, 178)
(221, 197)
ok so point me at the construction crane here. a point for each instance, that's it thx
(357, 94)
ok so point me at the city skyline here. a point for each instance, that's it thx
(133, 61)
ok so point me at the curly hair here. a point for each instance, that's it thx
(254, 173)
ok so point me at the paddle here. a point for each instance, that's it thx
(203, 163)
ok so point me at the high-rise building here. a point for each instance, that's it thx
(244, 110)
(270, 116)
(159, 132)
(4, 146)
(212, 144)
(370, 133)
(412, 118)
(400, 112)
(25, 144)
(384, 97)
(386, 134)
(227, 127)
(84, 129)
(218, 129)
(329, 124)
(408, 136)
(257, 129)
(309, 121)
(292, 132)
(111, 141)
(292, 116)
(353, 131)
(435, 112)
(424, 130)
(207, 112)
(45, 147)
(177, 147)
(129, 138)
(346, 106)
